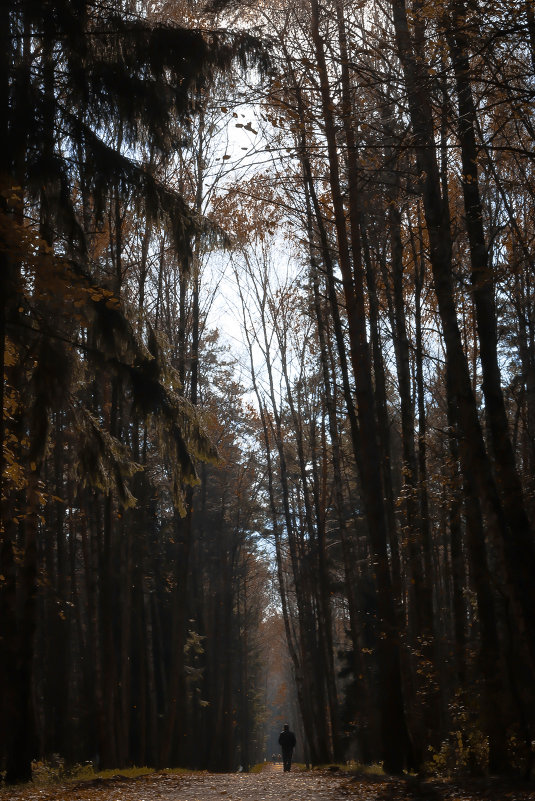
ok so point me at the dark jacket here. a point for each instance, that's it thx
(287, 740)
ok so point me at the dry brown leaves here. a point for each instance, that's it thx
(269, 785)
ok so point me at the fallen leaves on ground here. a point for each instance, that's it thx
(271, 784)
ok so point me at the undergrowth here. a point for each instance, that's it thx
(56, 770)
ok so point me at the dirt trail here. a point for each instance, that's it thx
(271, 784)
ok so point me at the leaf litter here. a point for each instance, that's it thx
(271, 784)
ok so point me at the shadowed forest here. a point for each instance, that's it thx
(267, 346)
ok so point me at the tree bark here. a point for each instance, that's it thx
(440, 245)
(519, 545)
(394, 730)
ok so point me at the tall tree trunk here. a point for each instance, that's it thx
(393, 725)
(18, 588)
(519, 542)
(362, 693)
(440, 245)
(320, 592)
(382, 419)
(421, 626)
(524, 307)
(336, 463)
(297, 642)
(490, 660)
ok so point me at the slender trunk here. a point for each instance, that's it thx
(151, 717)
(421, 628)
(425, 524)
(175, 721)
(490, 660)
(312, 682)
(440, 245)
(457, 564)
(332, 291)
(18, 560)
(6, 551)
(382, 419)
(60, 624)
(336, 463)
(394, 730)
(518, 540)
(363, 693)
(324, 615)
(126, 599)
(294, 643)
(524, 310)
(5, 290)
(316, 538)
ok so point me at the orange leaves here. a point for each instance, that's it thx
(249, 209)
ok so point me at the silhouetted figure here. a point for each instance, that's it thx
(287, 743)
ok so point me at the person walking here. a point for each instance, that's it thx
(287, 743)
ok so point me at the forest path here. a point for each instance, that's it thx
(271, 784)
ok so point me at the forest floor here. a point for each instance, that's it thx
(270, 784)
